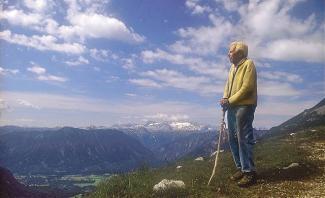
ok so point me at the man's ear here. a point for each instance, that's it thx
(240, 54)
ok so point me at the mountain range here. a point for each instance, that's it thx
(121, 147)
(71, 150)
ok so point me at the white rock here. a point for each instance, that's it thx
(166, 184)
(199, 159)
(178, 167)
(292, 134)
(291, 166)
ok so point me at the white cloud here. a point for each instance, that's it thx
(95, 25)
(131, 94)
(268, 27)
(173, 79)
(37, 69)
(259, 63)
(272, 32)
(43, 76)
(194, 6)
(272, 111)
(36, 18)
(4, 106)
(181, 47)
(27, 104)
(38, 5)
(85, 20)
(49, 26)
(103, 112)
(53, 101)
(284, 108)
(216, 70)
(275, 88)
(272, 84)
(295, 50)
(204, 40)
(145, 83)
(281, 76)
(172, 76)
(64, 102)
(23, 120)
(271, 19)
(206, 86)
(128, 63)
(18, 17)
(51, 78)
(45, 42)
(4, 71)
(88, 6)
(97, 69)
(101, 54)
(230, 5)
(112, 79)
(80, 61)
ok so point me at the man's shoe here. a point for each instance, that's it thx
(237, 176)
(247, 180)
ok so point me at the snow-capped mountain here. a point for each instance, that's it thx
(185, 126)
(165, 126)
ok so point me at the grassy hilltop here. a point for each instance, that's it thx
(305, 147)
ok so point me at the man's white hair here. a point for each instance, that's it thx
(240, 46)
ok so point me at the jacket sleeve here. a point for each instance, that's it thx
(226, 89)
(225, 92)
(248, 85)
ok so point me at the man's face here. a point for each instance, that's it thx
(234, 56)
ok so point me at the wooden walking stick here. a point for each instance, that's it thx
(221, 133)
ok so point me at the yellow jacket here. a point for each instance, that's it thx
(241, 86)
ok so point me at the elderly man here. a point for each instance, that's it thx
(240, 99)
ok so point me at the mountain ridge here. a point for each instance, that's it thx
(312, 117)
(72, 150)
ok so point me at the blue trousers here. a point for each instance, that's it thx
(241, 137)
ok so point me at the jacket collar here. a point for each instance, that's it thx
(241, 62)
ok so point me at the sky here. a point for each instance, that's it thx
(99, 63)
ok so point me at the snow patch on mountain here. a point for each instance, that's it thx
(166, 126)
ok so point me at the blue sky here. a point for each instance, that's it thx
(81, 62)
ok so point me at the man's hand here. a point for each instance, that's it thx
(224, 102)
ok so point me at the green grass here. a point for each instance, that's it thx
(271, 155)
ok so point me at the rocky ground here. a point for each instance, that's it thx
(299, 180)
(315, 187)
